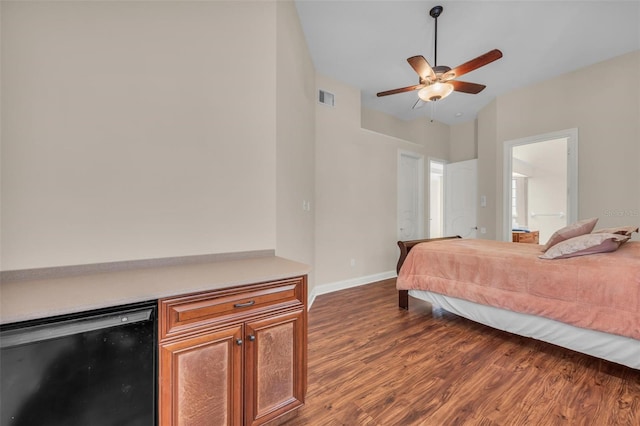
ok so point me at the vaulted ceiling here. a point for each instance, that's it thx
(365, 44)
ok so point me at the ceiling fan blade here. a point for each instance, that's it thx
(422, 67)
(465, 87)
(401, 90)
(476, 63)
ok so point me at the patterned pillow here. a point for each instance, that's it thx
(622, 230)
(585, 244)
(579, 228)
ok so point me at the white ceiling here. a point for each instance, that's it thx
(365, 44)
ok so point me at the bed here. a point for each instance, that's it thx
(590, 304)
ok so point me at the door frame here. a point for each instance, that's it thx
(572, 174)
(420, 159)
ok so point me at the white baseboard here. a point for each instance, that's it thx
(311, 298)
(342, 285)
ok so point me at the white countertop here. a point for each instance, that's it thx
(39, 298)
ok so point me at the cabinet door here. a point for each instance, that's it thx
(201, 379)
(275, 366)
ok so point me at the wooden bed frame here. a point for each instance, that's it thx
(405, 248)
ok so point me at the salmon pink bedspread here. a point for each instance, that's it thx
(599, 292)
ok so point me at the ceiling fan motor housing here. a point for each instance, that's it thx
(441, 71)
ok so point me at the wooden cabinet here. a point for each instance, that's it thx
(532, 237)
(275, 366)
(234, 356)
(201, 379)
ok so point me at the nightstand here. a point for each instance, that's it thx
(532, 237)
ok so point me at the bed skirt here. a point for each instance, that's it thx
(615, 348)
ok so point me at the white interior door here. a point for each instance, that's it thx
(460, 198)
(410, 196)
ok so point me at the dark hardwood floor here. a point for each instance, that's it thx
(371, 363)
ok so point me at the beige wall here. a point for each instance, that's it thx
(463, 142)
(487, 175)
(124, 137)
(356, 178)
(137, 130)
(295, 141)
(419, 131)
(608, 134)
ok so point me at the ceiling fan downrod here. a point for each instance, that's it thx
(435, 12)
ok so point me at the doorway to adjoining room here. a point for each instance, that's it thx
(436, 198)
(540, 184)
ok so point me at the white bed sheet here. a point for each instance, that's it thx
(615, 348)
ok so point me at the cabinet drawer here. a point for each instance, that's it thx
(197, 311)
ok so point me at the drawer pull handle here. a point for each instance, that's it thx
(251, 338)
(244, 305)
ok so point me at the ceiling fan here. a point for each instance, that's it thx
(438, 82)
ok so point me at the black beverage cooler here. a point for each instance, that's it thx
(98, 368)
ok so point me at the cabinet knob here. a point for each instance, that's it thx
(239, 342)
(251, 337)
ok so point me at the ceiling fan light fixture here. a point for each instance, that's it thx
(435, 92)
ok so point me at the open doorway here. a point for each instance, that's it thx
(436, 198)
(540, 184)
(410, 195)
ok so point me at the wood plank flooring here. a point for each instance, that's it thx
(371, 363)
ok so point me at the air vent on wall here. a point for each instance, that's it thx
(326, 98)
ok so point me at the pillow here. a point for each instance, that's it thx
(585, 244)
(579, 228)
(622, 230)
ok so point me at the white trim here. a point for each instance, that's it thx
(345, 284)
(311, 298)
(572, 174)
